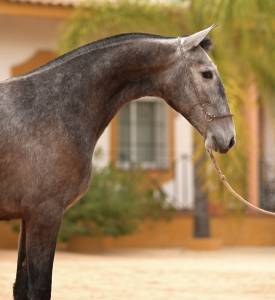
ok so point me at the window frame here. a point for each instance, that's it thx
(147, 165)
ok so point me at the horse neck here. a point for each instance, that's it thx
(92, 87)
(120, 74)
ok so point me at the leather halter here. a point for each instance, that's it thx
(208, 116)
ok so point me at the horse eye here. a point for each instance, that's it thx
(207, 74)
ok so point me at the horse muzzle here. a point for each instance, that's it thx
(220, 142)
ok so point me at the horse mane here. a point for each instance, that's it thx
(102, 44)
(99, 44)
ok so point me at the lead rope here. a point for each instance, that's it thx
(231, 190)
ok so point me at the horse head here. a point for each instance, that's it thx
(194, 89)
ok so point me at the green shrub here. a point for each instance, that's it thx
(115, 204)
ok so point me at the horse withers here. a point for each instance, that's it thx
(52, 117)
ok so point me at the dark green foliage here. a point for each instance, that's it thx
(98, 20)
(115, 204)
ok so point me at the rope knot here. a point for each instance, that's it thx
(223, 178)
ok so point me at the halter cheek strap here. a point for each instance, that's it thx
(208, 116)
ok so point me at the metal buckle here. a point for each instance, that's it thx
(209, 117)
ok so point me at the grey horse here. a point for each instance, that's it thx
(52, 117)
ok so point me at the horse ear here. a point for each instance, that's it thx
(195, 39)
(206, 44)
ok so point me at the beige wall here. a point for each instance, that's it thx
(21, 37)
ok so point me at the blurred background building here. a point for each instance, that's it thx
(146, 132)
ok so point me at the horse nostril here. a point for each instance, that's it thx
(215, 143)
(232, 142)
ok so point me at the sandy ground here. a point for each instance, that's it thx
(228, 274)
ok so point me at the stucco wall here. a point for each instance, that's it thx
(21, 37)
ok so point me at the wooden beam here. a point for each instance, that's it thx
(34, 10)
(253, 131)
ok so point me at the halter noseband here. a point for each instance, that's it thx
(208, 116)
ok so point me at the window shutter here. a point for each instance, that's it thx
(162, 147)
(124, 143)
(146, 127)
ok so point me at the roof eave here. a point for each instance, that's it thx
(37, 10)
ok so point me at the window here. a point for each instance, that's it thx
(143, 134)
